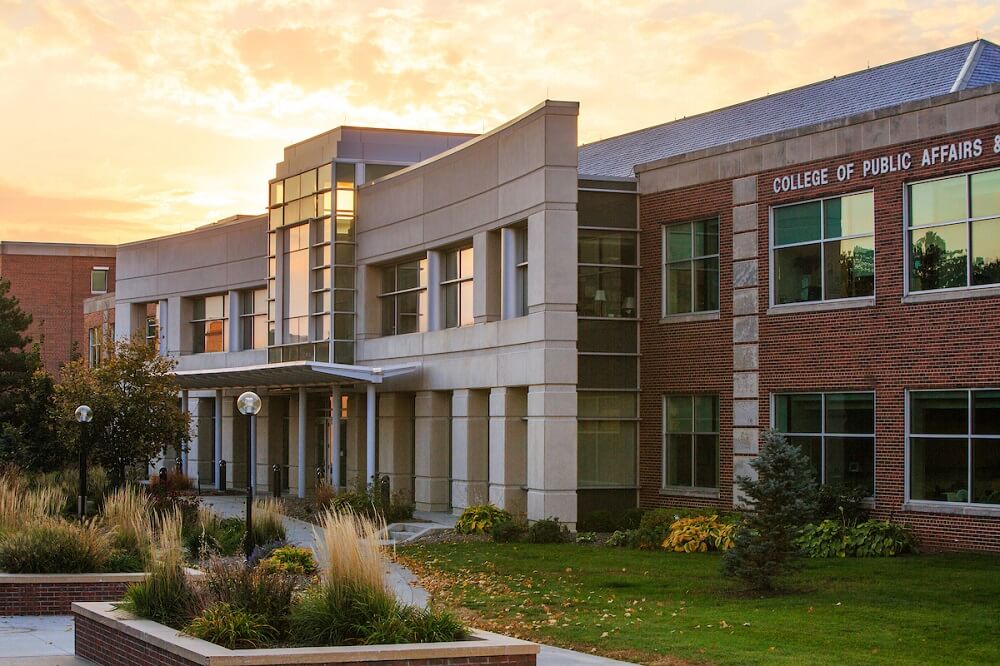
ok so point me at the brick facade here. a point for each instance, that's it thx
(56, 598)
(887, 347)
(51, 285)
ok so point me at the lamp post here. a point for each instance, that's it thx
(84, 415)
(249, 404)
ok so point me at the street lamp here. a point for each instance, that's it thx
(249, 404)
(84, 415)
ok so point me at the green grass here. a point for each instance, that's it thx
(675, 608)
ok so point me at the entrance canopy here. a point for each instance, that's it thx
(292, 373)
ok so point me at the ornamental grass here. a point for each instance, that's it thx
(350, 550)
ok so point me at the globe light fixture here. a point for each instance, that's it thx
(248, 403)
(84, 414)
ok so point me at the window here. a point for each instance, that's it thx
(297, 284)
(376, 171)
(209, 326)
(152, 334)
(457, 288)
(94, 340)
(824, 250)
(253, 319)
(836, 431)
(99, 279)
(954, 446)
(954, 232)
(403, 297)
(521, 270)
(691, 267)
(691, 441)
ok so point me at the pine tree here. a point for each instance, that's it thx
(782, 499)
(17, 362)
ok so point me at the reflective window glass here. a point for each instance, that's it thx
(938, 201)
(797, 224)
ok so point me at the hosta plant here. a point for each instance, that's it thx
(480, 519)
(699, 534)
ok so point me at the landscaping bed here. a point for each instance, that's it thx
(112, 637)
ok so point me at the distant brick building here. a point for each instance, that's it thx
(51, 281)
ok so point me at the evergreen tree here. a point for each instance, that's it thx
(17, 360)
(782, 500)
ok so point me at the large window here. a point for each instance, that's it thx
(209, 326)
(457, 288)
(608, 271)
(99, 279)
(691, 441)
(404, 297)
(836, 431)
(253, 319)
(954, 235)
(954, 446)
(691, 267)
(297, 285)
(152, 333)
(521, 270)
(824, 250)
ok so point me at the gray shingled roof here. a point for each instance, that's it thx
(907, 80)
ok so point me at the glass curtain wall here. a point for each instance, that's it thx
(608, 383)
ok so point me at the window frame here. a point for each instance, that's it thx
(967, 222)
(665, 262)
(95, 336)
(106, 270)
(665, 433)
(252, 318)
(224, 319)
(384, 296)
(824, 433)
(445, 283)
(822, 241)
(521, 271)
(969, 436)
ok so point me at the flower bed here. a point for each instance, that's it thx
(113, 637)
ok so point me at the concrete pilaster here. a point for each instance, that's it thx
(470, 453)
(395, 441)
(432, 444)
(509, 449)
(486, 286)
(356, 460)
(746, 307)
(552, 467)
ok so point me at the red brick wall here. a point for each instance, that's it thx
(107, 647)
(886, 348)
(54, 598)
(52, 289)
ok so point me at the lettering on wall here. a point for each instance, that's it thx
(882, 165)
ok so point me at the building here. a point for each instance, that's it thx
(51, 282)
(557, 328)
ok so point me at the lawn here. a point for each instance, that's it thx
(669, 608)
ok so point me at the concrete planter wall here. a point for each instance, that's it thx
(111, 637)
(54, 594)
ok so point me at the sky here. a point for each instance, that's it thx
(127, 119)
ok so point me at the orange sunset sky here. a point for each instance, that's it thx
(125, 119)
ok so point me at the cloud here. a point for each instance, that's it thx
(183, 106)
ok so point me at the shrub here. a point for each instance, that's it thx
(508, 531)
(291, 560)
(662, 519)
(267, 521)
(56, 546)
(549, 530)
(603, 520)
(699, 534)
(266, 593)
(872, 538)
(631, 519)
(164, 499)
(586, 537)
(346, 614)
(165, 596)
(480, 519)
(876, 538)
(374, 502)
(844, 503)
(231, 627)
(124, 561)
(212, 535)
(783, 499)
(262, 551)
(176, 482)
(324, 495)
(618, 539)
(645, 538)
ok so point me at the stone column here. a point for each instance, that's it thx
(356, 439)
(487, 271)
(300, 440)
(432, 445)
(217, 436)
(336, 445)
(746, 307)
(225, 447)
(262, 442)
(552, 452)
(395, 441)
(470, 448)
(509, 449)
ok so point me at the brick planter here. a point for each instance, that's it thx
(53, 594)
(115, 638)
